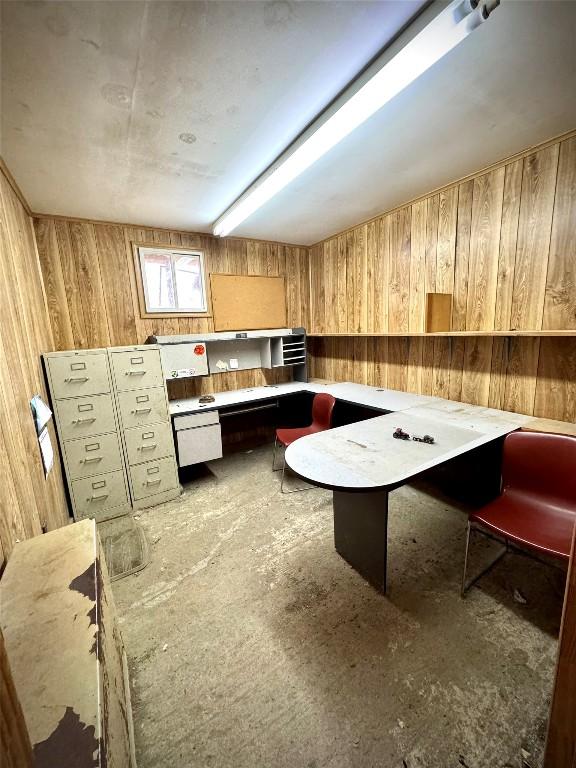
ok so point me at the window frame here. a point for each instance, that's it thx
(139, 250)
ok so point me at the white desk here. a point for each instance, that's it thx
(358, 394)
(361, 463)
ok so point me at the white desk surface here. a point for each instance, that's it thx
(360, 394)
(365, 456)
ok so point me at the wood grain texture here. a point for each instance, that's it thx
(561, 741)
(560, 294)
(15, 747)
(533, 246)
(504, 244)
(81, 259)
(29, 502)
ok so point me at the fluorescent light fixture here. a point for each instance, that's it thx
(438, 38)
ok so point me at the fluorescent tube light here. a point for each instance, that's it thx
(438, 38)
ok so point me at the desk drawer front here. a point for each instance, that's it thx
(137, 369)
(92, 455)
(141, 407)
(94, 495)
(150, 442)
(78, 375)
(196, 420)
(153, 477)
(83, 416)
(198, 445)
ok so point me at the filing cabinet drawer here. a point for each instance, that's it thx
(92, 455)
(153, 477)
(137, 369)
(138, 408)
(74, 375)
(82, 416)
(150, 442)
(94, 495)
(196, 420)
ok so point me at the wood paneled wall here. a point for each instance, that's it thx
(504, 244)
(89, 276)
(29, 502)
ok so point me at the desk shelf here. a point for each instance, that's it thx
(566, 334)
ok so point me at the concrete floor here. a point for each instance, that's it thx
(252, 644)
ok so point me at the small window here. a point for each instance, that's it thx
(172, 280)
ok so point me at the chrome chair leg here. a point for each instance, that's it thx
(294, 490)
(499, 556)
(274, 467)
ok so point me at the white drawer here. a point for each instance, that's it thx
(196, 420)
(82, 374)
(83, 416)
(199, 444)
(137, 369)
(151, 442)
(94, 495)
(89, 456)
(141, 407)
(153, 477)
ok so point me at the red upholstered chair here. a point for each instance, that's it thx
(322, 408)
(536, 509)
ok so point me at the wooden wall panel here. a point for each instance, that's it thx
(29, 502)
(504, 244)
(533, 246)
(96, 304)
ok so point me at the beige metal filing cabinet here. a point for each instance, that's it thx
(111, 411)
(145, 424)
(82, 395)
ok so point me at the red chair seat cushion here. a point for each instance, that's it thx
(288, 436)
(534, 521)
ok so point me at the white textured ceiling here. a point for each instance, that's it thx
(95, 96)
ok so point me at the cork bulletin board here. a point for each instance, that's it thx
(242, 302)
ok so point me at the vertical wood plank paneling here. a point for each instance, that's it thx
(508, 239)
(461, 269)
(521, 371)
(432, 214)
(29, 501)
(360, 280)
(534, 228)
(484, 248)
(399, 292)
(90, 291)
(116, 284)
(417, 303)
(556, 382)
(54, 283)
(476, 370)
(446, 248)
(560, 294)
(381, 276)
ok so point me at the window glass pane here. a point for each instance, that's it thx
(188, 271)
(157, 276)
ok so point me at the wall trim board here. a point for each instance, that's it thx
(446, 187)
(150, 228)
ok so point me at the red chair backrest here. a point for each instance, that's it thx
(322, 408)
(541, 464)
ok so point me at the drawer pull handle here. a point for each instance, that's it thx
(84, 421)
(150, 447)
(142, 410)
(80, 379)
(94, 458)
(153, 482)
(99, 497)
(135, 373)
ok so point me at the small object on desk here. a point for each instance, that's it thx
(399, 434)
(423, 439)
(233, 362)
(206, 399)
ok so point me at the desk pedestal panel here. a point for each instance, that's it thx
(360, 533)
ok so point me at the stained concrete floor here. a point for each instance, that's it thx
(252, 644)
